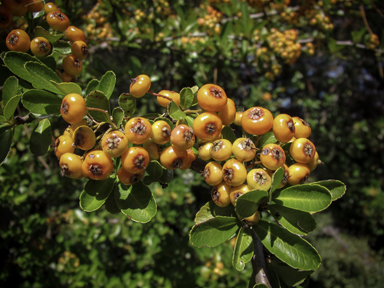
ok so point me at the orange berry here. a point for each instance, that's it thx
(228, 113)
(257, 121)
(97, 165)
(211, 97)
(18, 40)
(182, 137)
(135, 160)
(234, 172)
(207, 126)
(71, 166)
(73, 108)
(173, 158)
(220, 194)
(75, 34)
(138, 130)
(272, 156)
(115, 143)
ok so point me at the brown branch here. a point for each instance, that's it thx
(365, 18)
(377, 9)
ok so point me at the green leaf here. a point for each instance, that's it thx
(166, 120)
(97, 99)
(93, 85)
(295, 221)
(11, 106)
(15, 62)
(261, 285)
(136, 202)
(50, 62)
(267, 138)
(335, 187)
(154, 170)
(95, 194)
(5, 144)
(194, 91)
(4, 127)
(289, 248)
(10, 89)
(333, 46)
(211, 210)
(277, 177)
(186, 98)
(61, 47)
(175, 112)
(214, 231)
(41, 102)
(167, 176)
(67, 87)
(107, 83)
(41, 76)
(357, 36)
(111, 205)
(248, 203)
(41, 138)
(128, 103)
(243, 251)
(228, 134)
(289, 275)
(189, 120)
(41, 32)
(118, 116)
(306, 197)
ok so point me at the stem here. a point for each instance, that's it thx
(159, 95)
(365, 18)
(193, 111)
(259, 275)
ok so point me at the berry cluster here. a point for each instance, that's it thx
(233, 169)
(19, 40)
(285, 44)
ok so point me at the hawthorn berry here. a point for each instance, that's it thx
(140, 86)
(5, 17)
(173, 158)
(153, 149)
(238, 117)
(314, 162)
(182, 137)
(244, 149)
(272, 156)
(191, 156)
(97, 165)
(33, 5)
(63, 144)
(259, 179)
(298, 173)
(79, 49)
(211, 97)
(71, 166)
(135, 160)
(57, 20)
(138, 130)
(171, 94)
(75, 34)
(283, 128)
(49, 7)
(205, 151)
(161, 132)
(72, 65)
(221, 150)
(257, 120)
(114, 143)
(73, 108)
(84, 138)
(302, 150)
(18, 40)
(16, 7)
(237, 191)
(234, 172)
(213, 174)
(207, 126)
(40, 47)
(228, 113)
(302, 128)
(220, 194)
(128, 178)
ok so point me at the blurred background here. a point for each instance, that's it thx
(319, 60)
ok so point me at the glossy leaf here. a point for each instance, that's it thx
(136, 201)
(92, 85)
(248, 203)
(175, 112)
(277, 177)
(289, 275)
(186, 98)
(5, 144)
(107, 83)
(41, 138)
(166, 177)
(61, 47)
(10, 89)
(41, 32)
(267, 138)
(337, 188)
(110, 203)
(41, 77)
(211, 210)
(15, 62)
(243, 251)
(67, 87)
(97, 99)
(295, 221)
(118, 116)
(194, 91)
(11, 106)
(289, 248)
(41, 102)
(306, 197)
(128, 103)
(95, 194)
(228, 134)
(214, 231)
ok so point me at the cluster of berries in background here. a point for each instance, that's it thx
(232, 169)
(39, 46)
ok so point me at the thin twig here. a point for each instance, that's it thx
(365, 18)
(377, 9)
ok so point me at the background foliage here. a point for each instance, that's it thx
(336, 85)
